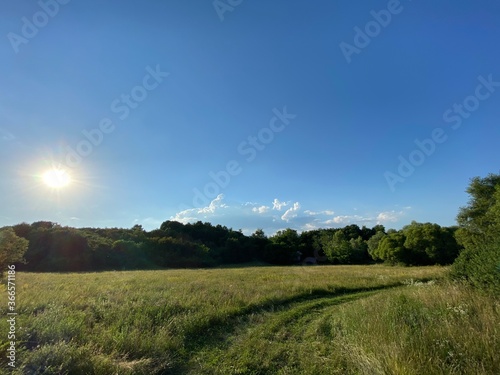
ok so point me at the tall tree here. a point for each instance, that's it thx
(391, 248)
(12, 248)
(337, 248)
(359, 251)
(373, 243)
(479, 232)
(475, 220)
(283, 247)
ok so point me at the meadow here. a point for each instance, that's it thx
(252, 320)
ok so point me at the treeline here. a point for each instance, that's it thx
(54, 248)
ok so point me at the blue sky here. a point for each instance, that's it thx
(252, 115)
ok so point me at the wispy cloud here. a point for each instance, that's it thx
(277, 205)
(261, 209)
(291, 213)
(389, 217)
(315, 213)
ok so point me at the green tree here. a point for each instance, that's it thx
(128, 255)
(359, 251)
(415, 244)
(493, 215)
(259, 233)
(69, 251)
(373, 243)
(479, 232)
(477, 220)
(288, 237)
(421, 240)
(257, 243)
(391, 248)
(450, 248)
(351, 231)
(12, 248)
(337, 248)
(283, 247)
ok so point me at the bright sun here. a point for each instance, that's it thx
(56, 178)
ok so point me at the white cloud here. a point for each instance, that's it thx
(214, 205)
(250, 216)
(261, 209)
(195, 214)
(310, 226)
(186, 216)
(389, 217)
(338, 220)
(383, 217)
(344, 219)
(277, 205)
(291, 212)
(316, 213)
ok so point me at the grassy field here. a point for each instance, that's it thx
(254, 320)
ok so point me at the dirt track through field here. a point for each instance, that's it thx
(272, 318)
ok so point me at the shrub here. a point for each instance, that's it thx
(480, 266)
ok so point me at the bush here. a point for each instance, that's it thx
(480, 266)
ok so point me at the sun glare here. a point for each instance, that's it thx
(56, 178)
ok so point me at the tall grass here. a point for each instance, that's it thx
(209, 321)
(423, 329)
(418, 329)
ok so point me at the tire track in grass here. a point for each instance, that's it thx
(274, 328)
(218, 334)
(200, 335)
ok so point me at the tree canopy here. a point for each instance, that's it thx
(12, 248)
(479, 232)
